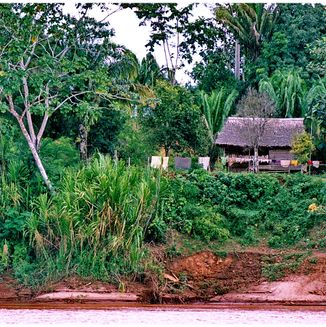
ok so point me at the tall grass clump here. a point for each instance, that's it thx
(95, 225)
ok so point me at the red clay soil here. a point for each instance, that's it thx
(202, 277)
(208, 275)
(238, 278)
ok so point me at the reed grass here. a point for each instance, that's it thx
(96, 223)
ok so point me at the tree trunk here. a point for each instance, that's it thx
(166, 149)
(213, 156)
(36, 156)
(255, 161)
(83, 134)
(237, 60)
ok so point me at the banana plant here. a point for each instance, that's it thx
(288, 91)
(216, 108)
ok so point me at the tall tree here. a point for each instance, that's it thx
(315, 115)
(215, 72)
(257, 108)
(297, 28)
(48, 64)
(173, 28)
(175, 122)
(249, 23)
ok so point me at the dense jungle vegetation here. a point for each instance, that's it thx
(80, 115)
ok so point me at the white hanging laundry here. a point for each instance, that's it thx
(156, 162)
(204, 161)
(285, 163)
(315, 164)
(165, 163)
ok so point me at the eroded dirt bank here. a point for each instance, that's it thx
(243, 277)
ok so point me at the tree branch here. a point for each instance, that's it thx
(27, 107)
(12, 107)
(61, 54)
(166, 56)
(31, 55)
(69, 98)
(177, 48)
(45, 118)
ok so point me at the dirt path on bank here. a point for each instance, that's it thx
(238, 277)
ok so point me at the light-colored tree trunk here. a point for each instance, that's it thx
(36, 156)
(237, 60)
(31, 144)
(255, 161)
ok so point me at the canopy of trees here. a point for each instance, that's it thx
(62, 78)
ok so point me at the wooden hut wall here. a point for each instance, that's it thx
(282, 154)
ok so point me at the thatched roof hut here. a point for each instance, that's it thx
(278, 132)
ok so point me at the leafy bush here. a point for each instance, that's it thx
(273, 206)
(186, 212)
(58, 155)
(209, 227)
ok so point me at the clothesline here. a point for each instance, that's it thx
(185, 163)
(179, 162)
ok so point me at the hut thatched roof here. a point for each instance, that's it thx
(278, 132)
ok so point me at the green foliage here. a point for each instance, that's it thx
(302, 147)
(96, 224)
(249, 23)
(175, 123)
(12, 147)
(135, 142)
(185, 212)
(4, 256)
(58, 155)
(213, 72)
(315, 116)
(216, 108)
(297, 26)
(149, 71)
(288, 91)
(104, 134)
(317, 63)
(274, 267)
(25, 271)
(14, 205)
(253, 206)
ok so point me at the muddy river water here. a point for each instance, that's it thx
(166, 316)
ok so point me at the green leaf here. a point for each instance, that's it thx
(3, 107)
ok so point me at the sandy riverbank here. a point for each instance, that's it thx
(200, 278)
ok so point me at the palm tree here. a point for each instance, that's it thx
(288, 91)
(125, 65)
(128, 73)
(250, 24)
(216, 108)
(149, 71)
(313, 105)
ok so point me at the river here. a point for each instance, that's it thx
(166, 316)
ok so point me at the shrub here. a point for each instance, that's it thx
(209, 227)
(96, 223)
(58, 155)
(273, 206)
